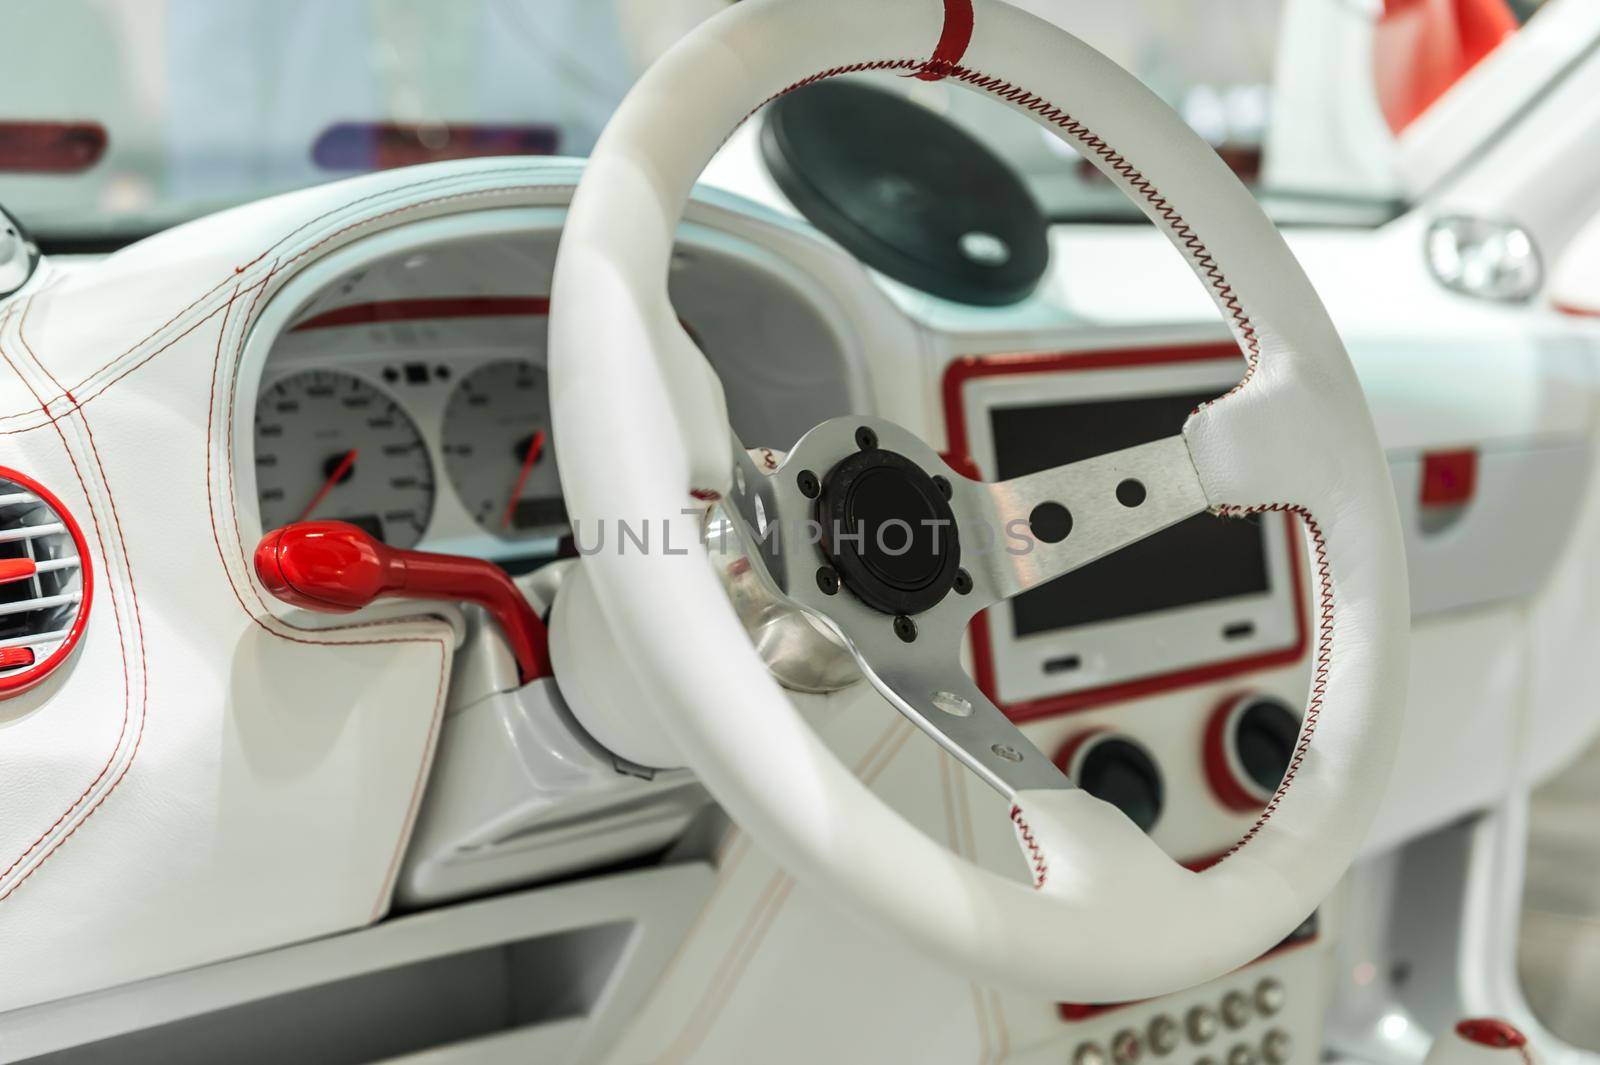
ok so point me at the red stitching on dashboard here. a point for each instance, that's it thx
(1319, 677)
(284, 239)
(127, 684)
(1041, 869)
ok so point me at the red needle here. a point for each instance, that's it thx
(334, 478)
(534, 447)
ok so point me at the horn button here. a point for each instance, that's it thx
(889, 532)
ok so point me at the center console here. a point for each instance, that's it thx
(1167, 679)
(1209, 597)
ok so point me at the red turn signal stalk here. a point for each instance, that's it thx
(335, 568)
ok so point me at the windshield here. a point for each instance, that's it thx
(168, 109)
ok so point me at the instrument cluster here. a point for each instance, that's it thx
(448, 446)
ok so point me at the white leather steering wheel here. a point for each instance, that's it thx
(644, 434)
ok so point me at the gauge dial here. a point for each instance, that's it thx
(331, 446)
(497, 449)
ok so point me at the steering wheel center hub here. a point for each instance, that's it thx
(889, 531)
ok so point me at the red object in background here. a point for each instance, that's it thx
(1449, 478)
(335, 568)
(1422, 47)
(385, 145)
(1491, 1032)
(50, 147)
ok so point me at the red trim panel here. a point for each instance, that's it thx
(17, 683)
(972, 367)
(416, 310)
(1449, 478)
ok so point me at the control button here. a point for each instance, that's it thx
(1235, 1010)
(895, 571)
(1241, 1054)
(1089, 1054)
(1163, 1035)
(1269, 997)
(1126, 1047)
(1202, 1024)
(1276, 1046)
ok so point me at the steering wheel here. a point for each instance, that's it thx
(645, 437)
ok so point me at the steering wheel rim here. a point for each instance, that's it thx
(644, 436)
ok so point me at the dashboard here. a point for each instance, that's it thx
(395, 378)
(406, 392)
(410, 397)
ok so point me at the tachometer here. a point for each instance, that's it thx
(497, 450)
(331, 446)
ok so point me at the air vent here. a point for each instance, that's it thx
(45, 583)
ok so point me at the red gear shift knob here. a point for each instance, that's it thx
(334, 567)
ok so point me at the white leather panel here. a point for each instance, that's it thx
(204, 778)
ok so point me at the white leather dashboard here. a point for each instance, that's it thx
(213, 774)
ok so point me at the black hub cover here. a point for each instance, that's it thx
(889, 532)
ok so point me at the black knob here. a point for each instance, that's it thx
(1121, 772)
(1264, 737)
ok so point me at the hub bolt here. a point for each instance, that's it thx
(905, 628)
(866, 439)
(808, 484)
(828, 581)
(963, 583)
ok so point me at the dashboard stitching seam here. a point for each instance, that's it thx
(121, 646)
(238, 270)
(433, 725)
(216, 539)
(758, 924)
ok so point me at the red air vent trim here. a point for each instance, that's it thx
(20, 668)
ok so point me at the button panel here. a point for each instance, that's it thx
(1269, 1013)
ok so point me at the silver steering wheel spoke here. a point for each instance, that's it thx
(1085, 511)
(815, 531)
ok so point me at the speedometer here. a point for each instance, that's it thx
(497, 450)
(330, 445)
